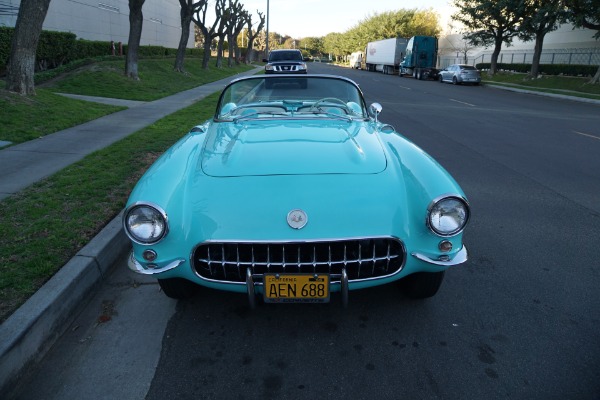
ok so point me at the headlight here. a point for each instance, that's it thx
(302, 66)
(145, 223)
(269, 67)
(448, 216)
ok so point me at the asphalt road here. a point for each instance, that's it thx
(520, 320)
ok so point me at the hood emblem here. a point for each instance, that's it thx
(297, 219)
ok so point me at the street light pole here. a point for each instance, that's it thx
(267, 42)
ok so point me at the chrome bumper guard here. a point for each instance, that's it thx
(459, 258)
(135, 266)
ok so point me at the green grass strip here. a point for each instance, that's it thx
(45, 225)
(26, 118)
(570, 86)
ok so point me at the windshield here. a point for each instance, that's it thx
(262, 97)
(285, 56)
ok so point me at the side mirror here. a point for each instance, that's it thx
(265, 60)
(375, 110)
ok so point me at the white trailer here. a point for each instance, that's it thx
(385, 55)
(356, 60)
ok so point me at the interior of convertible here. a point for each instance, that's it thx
(272, 97)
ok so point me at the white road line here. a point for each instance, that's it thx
(404, 87)
(587, 134)
(462, 102)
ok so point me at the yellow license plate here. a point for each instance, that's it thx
(296, 288)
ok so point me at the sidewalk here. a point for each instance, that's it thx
(26, 335)
(26, 163)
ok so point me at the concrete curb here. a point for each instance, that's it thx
(545, 94)
(27, 335)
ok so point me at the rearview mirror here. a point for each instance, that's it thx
(375, 110)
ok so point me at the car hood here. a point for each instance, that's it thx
(292, 148)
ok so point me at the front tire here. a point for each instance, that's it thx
(421, 285)
(440, 78)
(178, 288)
(454, 81)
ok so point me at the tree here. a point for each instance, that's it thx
(21, 65)
(236, 19)
(491, 23)
(136, 20)
(186, 14)
(239, 27)
(544, 16)
(223, 17)
(252, 35)
(209, 32)
(313, 45)
(390, 24)
(586, 14)
(332, 44)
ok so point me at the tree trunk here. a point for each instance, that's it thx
(238, 54)
(537, 54)
(186, 20)
(220, 52)
(596, 77)
(495, 54)
(136, 19)
(21, 65)
(230, 50)
(206, 58)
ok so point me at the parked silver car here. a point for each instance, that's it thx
(459, 73)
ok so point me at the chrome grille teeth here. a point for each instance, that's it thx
(362, 258)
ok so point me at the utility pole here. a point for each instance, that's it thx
(267, 42)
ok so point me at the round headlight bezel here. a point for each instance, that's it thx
(158, 215)
(435, 205)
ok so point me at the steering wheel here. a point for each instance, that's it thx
(329, 100)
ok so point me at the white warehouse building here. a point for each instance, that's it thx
(566, 45)
(107, 20)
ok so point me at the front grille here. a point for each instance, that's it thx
(286, 68)
(362, 258)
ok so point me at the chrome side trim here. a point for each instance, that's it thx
(135, 266)
(459, 258)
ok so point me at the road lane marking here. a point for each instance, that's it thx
(588, 135)
(404, 87)
(462, 102)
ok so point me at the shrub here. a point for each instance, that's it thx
(548, 69)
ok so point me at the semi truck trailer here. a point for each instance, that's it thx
(384, 55)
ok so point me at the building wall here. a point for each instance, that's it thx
(107, 20)
(565, 45)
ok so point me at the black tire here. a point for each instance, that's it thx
(454, 81)
(421, 285)
(440, 78)
(178, 288)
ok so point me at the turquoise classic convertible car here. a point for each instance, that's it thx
(295, 191)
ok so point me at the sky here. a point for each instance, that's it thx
(307, 18)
